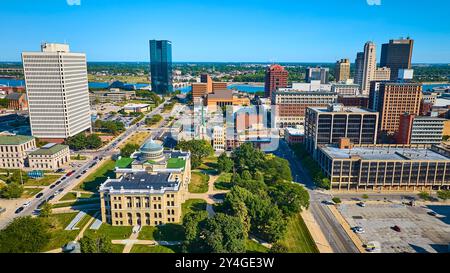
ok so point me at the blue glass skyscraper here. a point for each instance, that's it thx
(161, 66)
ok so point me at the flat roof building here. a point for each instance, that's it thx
(50, 157)
(14, 151)
(384, 168)
(328, 125)
(276, 77)
(342, 70)
(423, 130)
(57, 89)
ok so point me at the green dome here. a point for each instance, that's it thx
(151, 146)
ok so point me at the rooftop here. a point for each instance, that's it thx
(339, 108)
(50, 149)
(384, 153)
(142, 181)
(221, 94)
(15, 140)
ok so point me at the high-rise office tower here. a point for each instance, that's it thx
(342, 70)
(57, 89)
(369, 67)
(393, 99)
(317, 74)
(359, 68)
(161, 66)
(396, 55)
(276, 77)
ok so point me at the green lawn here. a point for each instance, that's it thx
(209, 165)
(78, 202)
(117, 248)
(193, 205)
(224, 181)
(297, 238)
(114, 233)
(199, 183)
(59, 236)
(30, 192)
(168, 232)
(76, 158)
(84, 221)
(93, 181)
(47, 180)
(73, 196)
(155, 249)
(254, 247)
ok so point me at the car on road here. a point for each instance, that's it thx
(326, 202)
(50, 198)
(58, 182)
(70, 173)
(53, 186)
(78, 177)
(370, 247)
(39, 195)
(61, 190)
(27, 204)
(358, 230)
(397, 228)
(41, 204)
(60, 170)
(361, 204)
(19, 210)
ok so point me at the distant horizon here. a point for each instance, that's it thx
(228, 62)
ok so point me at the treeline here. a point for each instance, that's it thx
(261, 201)
(320, 180)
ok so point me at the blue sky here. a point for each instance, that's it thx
(226, 30)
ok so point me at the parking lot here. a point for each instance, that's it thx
(419, 231)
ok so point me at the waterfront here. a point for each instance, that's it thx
(247, 88)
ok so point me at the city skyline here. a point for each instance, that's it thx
(219, 40)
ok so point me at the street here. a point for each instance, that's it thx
(67, 183)
(335, 234)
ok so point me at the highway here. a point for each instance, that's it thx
(67, 183)
(333, 231)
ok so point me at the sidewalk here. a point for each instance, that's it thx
(356, 240)
(316, 233)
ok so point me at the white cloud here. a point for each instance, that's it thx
(77, 2)
(374, 2)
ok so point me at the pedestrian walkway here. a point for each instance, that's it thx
(355, 239)
(80, 235)
(97, 224)
(316, 233)
(72, 225)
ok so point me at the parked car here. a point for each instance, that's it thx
(60, 170)
(53, 186)
(39, 195)
(432, 213)
(358, 230)
(397, 228)
(27, 204)
(70, 173)
(50, 198)
(361, 204)
(19, 210)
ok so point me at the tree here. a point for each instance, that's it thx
(223, 234)
(224, 164)
(95, 243)
(278, 248)
(191, 225)
(24, 235)
(277, 169)
(246, 157)
(199, 149)
(93, 142)
(444, 195)
(425, 196)
(290, 198)
(128, 150)
(336, 200)
(18, 176)
(46, 210)
(12, 191)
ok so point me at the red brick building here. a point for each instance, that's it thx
(404, 130)
(17, 101)
(276, 77)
